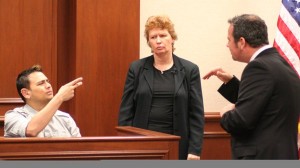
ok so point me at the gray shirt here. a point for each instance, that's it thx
(61, 124)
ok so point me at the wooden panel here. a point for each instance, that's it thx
(216, 146)
(27, 36)
(107, 40)
(66, 37)
(143, 145)
(95, 39)
(216, 142)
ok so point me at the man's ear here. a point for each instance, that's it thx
(26, 93)
(242, 43)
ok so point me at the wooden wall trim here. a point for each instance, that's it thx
(212, 116)
(11, 101)
(133, 131)
(102, 155)
(1, 121)
(216, 134)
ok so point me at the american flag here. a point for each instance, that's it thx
(287, 39)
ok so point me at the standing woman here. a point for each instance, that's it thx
(163, 92)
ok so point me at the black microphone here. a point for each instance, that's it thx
(174, 71)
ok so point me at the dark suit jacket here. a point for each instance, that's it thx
(263, 124)
(188, 115)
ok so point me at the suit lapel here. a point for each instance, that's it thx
(180, 73)
(148, 72)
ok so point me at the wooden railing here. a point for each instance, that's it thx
(216, 143)
(129, 143)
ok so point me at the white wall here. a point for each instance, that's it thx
(201, 26)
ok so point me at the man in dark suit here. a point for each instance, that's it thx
(264, 117)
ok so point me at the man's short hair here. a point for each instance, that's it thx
(23, 81)
(251, 27)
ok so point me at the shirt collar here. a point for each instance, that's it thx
(259, 51)
(29, 109)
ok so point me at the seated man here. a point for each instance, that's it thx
(40, 116)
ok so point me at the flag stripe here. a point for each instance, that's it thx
(288, 35)
(290, 22)
(285, 57)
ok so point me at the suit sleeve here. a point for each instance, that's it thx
(196, 113)
(127, 107)
(230, 90)
(255, 91)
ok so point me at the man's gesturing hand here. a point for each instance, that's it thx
(66, 92)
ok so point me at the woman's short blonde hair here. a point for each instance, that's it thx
(162, 22)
